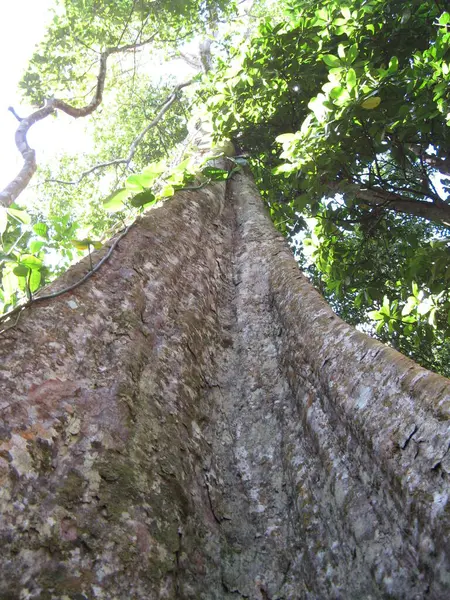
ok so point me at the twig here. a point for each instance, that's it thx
(127, 23)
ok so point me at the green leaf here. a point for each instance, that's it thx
(284, 168)
(182, 166)
(432, 317)
(371, 103)
(21, 215)
(284, 138)
(137, 183)
(302, 201)
(167, 191)
(352, 54)
(215, 174)
(425, 306)
(115, 201)
(3, 219)
(386, 309)
(10, 284)
(23, 282)
(346, 12)
(409, 319)
(376, 315)
(444, 19)
(21, 271)
(41, 229)
(35, 280)
(331, 60)
(155, 168)
(405, 16)
(142, 198)
(351, 79)
(393, 65)
(86, 244)
(30, 261)
(409, 306)
(35, 246)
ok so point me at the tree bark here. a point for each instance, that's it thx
(194, 422)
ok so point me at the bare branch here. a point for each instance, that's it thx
(135, 143)
(192, 60)
(20, 182)
(11, 110)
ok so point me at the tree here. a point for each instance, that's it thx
(365, 92)
(195, 422)
(184, 415)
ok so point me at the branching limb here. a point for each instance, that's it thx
(378, 197)
(135, 143)
(20, 182)
(440, 163)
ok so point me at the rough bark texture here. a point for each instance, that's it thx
(195, 423)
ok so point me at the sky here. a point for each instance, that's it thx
(22, 25)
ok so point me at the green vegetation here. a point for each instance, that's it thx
(341, 108)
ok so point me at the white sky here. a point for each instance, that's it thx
(22, 25)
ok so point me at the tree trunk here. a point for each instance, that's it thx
(195, 422)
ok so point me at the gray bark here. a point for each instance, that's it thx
(195, 423)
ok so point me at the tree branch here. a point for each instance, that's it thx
(20, 182)
(378, 197)
(135, 143)
(441, 164)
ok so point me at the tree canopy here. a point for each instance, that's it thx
(340, 108)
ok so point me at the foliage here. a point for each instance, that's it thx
(357, 272)
(66, 215)
(67, 58)
(27, 246)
